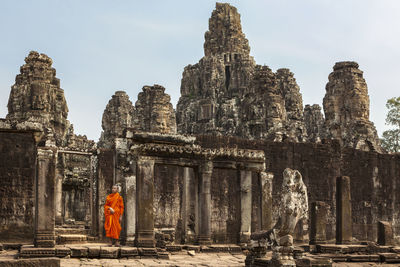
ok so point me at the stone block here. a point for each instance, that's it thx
(41, 262)
(62, 252)
(71, 239)
(385, 233)
(173, 248)
(364, 258)
(31, 252)
(148, 252)
(79, 252)
(93, 252)
(319, 213)
(314, 261)
(109, 252)
(12, 246)
(219, 248)
(163, 255)
(235, 249)
(385, 257)
(194, 248)
(331, 248)
(360, 249)
(129, 252)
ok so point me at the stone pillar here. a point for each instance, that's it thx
(58, 189)
(45, 198)
(130, 206)
(245, 205)
(205, 173)
(144, 202)
(343, 211)
(319, 216)
(266, 200)
(385, 233)
(186, 203)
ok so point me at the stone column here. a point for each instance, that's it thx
(130, 206)
(45, 198)
(58, 190)
(319, 215)
(186, 202)
(144, 202)
(245, 205)
(205, 173)
(343, 211)
(266, 200)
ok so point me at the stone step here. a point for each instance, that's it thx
(71, 239)
(71, 231)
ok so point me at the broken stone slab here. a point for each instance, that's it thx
(109, 252)
(62, 252)
(129, 252)
(191, 252)
(32, 252)
(48, 262)
(79, 252)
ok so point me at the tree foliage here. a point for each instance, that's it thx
(391, 138)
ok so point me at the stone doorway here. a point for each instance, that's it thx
(225, 202)
(74, 194)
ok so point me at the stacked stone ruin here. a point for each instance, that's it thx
(208, 173)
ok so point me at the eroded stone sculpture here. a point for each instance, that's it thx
(293, 208)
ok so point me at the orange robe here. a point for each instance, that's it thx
(111, 225)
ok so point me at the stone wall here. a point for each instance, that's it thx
(17, 173)
(375, 187)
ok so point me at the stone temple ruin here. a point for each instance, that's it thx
(207, 176)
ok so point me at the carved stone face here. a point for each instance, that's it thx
(38, 96)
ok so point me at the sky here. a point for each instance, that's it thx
(99, 47)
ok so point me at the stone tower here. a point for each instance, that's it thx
(36, 97)
(117, 116)
(346, 107)
(227, 93)
(154, 111)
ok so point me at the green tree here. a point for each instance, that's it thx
(391, 138)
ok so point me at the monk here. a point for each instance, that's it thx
(113, 210)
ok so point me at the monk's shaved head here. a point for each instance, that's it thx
(115, 188)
